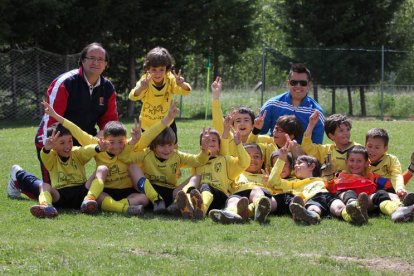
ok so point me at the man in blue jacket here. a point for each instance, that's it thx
(295, 102)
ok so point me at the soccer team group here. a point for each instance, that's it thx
(238, 175)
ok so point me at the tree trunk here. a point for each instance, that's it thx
(132, 81)
(333, 100)
(350, 110)
(362, 97)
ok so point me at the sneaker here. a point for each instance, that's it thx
(243, 208)
(89, 206)
(224, 216)
(174, 210)
(355, 213)
(299, 200)
(403, 214)
(187, 211)
(12, 190)
(135, 210)
(363, 204)
(159, 207)
(198, 205)
(408, 199)
(300, 213)
(262, 209)
(44, 211)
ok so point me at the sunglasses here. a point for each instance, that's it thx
(300, 82)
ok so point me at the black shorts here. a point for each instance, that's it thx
(219, 198)
(165, 193)
(283, 202)
(118, 194)
(323, 201)
(246, 193)
(71, 197)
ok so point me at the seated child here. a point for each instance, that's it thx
(66, 165)
(338, 129)
(250, 196)
(211, 183)
(159, 164)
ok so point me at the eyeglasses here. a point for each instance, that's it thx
(95, 59)
(300, 82)
(278, 129)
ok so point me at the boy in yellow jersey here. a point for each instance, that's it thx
(157, 87)
(159, 163)
(311, 199)
(250, 196)
(211, 183)
(338, 129)
(287, 129)
(120, 194)
(243, 118)
(66, 165)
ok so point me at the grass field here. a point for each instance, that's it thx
(111, 244)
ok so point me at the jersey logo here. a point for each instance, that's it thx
(217, 167)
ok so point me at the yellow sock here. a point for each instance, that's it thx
(124, 201)
(111, 205)
(252, 207)
(345, 215)
(150, 192)
(96, 189)
(207, 199)
(45, 198)
(388, 207)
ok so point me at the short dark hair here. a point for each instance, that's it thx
(357, 149)
(291, 125)
(299, 68)
(212, 131)
(57, 127)
(334, 121)
(167, 136)
(255, 146)
(378, 133)
(311, 160)
(114, 128)
(156, 57)
(245, 110)
(85, 51)
(276, 153)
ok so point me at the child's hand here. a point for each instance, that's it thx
(51, 140)
(237, 137)
(259, 120)
(283, 152)
(172, 113)
(228, 122)
(178, 78)
(103, 144)
(205, 139)
(216, 88)
(314, 118)
(52, 113)
(135, 133)
(401, 193)
(328, 169)
(265, 178)
(145, 82)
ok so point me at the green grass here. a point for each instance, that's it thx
(112, 244)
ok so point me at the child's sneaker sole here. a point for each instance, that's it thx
(243, 208)
(197, 201)
(89, 207)
(363, 205)
(224, 216)
(42, 211)
(299, 213)
(262, 210)
(356, 215)
(184, 205)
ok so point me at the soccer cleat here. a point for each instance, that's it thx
(197, 202)
(243, 208)
(135, 210)
(159, 207)
(403, 214)
(301, 214)
(89, 206)
(363, 204)
(262, 209)
(299, 200)
(12, 190)
(187, 211)
(43, 211)
(408, 199)
(174, 210)
(355, 213)
(224, 216)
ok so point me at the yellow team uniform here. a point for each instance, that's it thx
(221, 171)
(321, 151)
(156, 103)
(71, 172)
(118, 176)
(389, 167)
